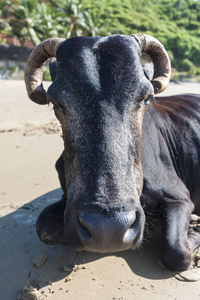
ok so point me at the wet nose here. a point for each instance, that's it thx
(100, 233)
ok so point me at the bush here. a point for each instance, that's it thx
(46, 74)
(188, 66)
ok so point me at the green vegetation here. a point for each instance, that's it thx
(174, 22)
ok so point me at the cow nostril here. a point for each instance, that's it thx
(83, 230)
(135, 221)
(132, 230)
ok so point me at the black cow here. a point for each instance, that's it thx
(120, 160)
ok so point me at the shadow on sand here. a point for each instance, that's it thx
(20, 245)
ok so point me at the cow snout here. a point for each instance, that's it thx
(100, 233)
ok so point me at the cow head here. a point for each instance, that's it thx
(100, 94)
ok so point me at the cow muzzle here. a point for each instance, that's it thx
(97, 232)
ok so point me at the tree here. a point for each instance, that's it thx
(174, 22)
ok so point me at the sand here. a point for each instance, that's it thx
(30, 143)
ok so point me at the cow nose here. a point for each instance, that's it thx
(100, 233)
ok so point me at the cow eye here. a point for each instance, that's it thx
(149, 99)
(57, 108)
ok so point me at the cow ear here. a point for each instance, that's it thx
(148, 69)
(53, 68)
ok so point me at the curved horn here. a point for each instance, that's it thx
(34, 69)
(160, 59)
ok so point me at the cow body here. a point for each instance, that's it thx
(170, 151)
(125, 155)
(171, 159)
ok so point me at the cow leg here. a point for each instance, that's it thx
(49, 225)
(177, 247)
(61, 172)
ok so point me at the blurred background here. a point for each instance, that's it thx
(25, 23)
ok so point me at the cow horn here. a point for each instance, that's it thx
(160, 59)
(34, 69)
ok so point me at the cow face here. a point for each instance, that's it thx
(100, 95)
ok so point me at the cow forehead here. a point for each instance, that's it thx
(99, 56)
(118, 43)
(101, 68)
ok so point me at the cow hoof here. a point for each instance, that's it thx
(49, 226)
(177, 260)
